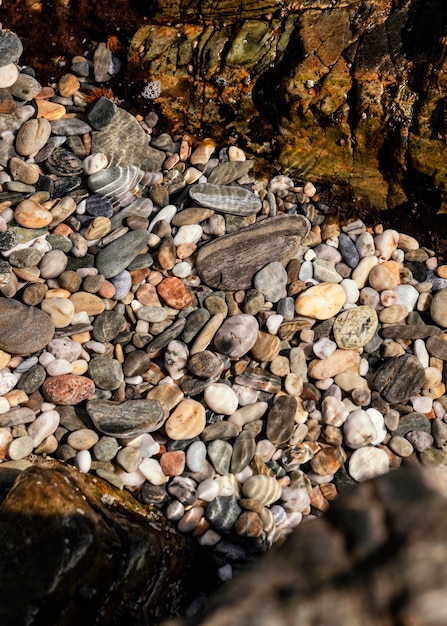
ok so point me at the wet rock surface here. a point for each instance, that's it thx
(87, 538)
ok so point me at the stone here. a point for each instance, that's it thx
(105, 372)
(126, 419)
(244, 449)
(281, 420)
(368, 462)
(219, 453)
(32, 136)
(359, 429)
(226, 173)
(226, 199)
(30, 214)
(116, 256)
(338, 362)
(438, 308)
(33, 333)
(68, 389)
(237, 335)
(266, 348)
(174, 293)
(411, 422)
(231, 261)
(43, 426)
(399, 378)
(186, 421)
(205, 364)
(321, 301)
(355, 328)
(271, 281)
(83, 439)
(222, 513)
(114, 181)
(265, 489)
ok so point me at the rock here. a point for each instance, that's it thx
(32, 136)
(114, 181)
(54, 495)
(438, 308)
(339, 361)
(186, 421)
(33, 333)
(226, 199)
(265, 489)
(68, 389)
(126, 419)
(237, 335)
(105, 372)
(231, 261)
(271, 281)
(116, 256)
(281, 420)
(355, 328)
(399, 378)
(368, 462)
(222, 512)
(174, 293)
(321, 301)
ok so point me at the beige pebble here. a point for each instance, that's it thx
(61, 310)
(361, 272)
(4, 359)
(99, 227)
(393, 314)
(16, 397)
(321, 301)
(88, 302)
(32, 136)
(68, 85)
(31, 214)
(82, 439)
(338, 362)
(8, 75)
(202, 153)
(50, 110)
(27, 173)
(186, 421)
(207, 333)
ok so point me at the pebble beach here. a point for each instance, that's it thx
(179, 324)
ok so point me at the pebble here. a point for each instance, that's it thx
(233, 364)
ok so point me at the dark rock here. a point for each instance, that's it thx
(399, 378)
(101, 113)
(132, 417)
(87, 539)
(281, 420)
(33, 333)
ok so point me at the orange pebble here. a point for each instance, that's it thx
(184, 250)
(87, 141)
(107, 290)
(139, 275)
(63, 229)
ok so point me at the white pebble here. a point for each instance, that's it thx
(365, 245)
(368, 462)
(4, 406)
(131, 479)
(151, 470)
(208, 489)
(59, 367)
(145, 444)
(83, 461)
(225, 572)
(324, 347)
(379, 424)
(191, 233)
(421, 353)
(43, 426)
(195, 456)
(295, 499)
(182, 270)
(306, 271)
(407, 295)
(273, 323)
(8, 75)
(422, 404)
(351, 290)
(245, 395)
(359, 429)
(95, 162)
(209, 538)
(166, 213)
(220, 398)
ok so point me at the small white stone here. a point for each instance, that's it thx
(379, 424)
(365, 245)
(245, 395)
(421, 352)
(407, 295)
(225, 572)
(309, 189)
(131, 479)
(265, 449)
(273, 323)
(8, 75)
(151, 470)
(43, 426)
(145, 444)
(59, 367)
(306, 271)
(4, 406)
(220, 398)
(7, 381)
(359, 429)
(176, 359)
(422, 404)
(182, 270)
(190, 233)
(83, 461)
(351, 290)
(295, 499)
(195, 456)
(334, 411)
(166, 214)
(208, 489)
(324, 347)
(209, 538)
(175, 511)
(368, 462)
(387, 242)
(95, 162)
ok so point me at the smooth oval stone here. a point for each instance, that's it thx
(355, 328)
(186, 421)
(205, 364)
(324, 271)
(220, 398)
(105, 372)
(101, 113)
(68, 389)
(321, 301)
(244, 449)
(271, 281)
(219, 453)
(107, 325)
(116, 256)
(126, 419)
(237, 335)
(43, 426)
(348, 250)
(32, 136)
(114, 181)
(226, 173)
(226, 199)
(399, 378)
(10, 47)
(220, 430)
(63, 162)
(195, 456)
(230, 262)
(173, 291)
(30, 214)
(98, 205)
(20, 448)
(222, 513)
(281, 420)
(359, 429)
(35, 330)
(438, 308)
(366, 463)
(82, 439)
(106, 448)
(265, 489)
(338, 362)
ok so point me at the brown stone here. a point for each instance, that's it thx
(266, 348)
(281, 419)
(174, 293)
(68, 389)
(88, 302)
(437, 346)
(173, 463)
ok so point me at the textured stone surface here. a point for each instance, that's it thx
(231, 261)
(399, 378)
(115, 543)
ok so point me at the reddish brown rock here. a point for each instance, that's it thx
(68, 389)
(174, 293)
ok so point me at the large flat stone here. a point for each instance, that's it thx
(231, 261)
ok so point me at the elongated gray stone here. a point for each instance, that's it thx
(130, 418)
(114, 181)
(230, 262)
(116, 256)
(226, 173)
(226, 199)
(410, 331)
(281, 420)
(399, 378)
(243, 452)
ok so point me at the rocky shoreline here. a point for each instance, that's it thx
(187, 327)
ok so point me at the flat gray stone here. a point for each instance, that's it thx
(23, 329)
(399, 378)
(127, 419)
(230, 262)
(116, 256)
